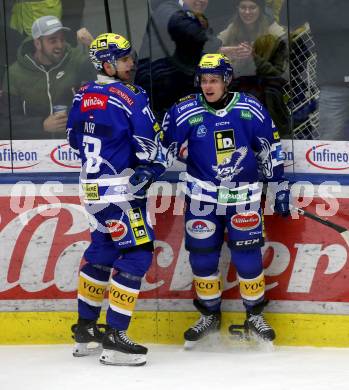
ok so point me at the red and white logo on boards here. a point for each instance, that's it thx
(17, 159)
(117, 229)
(94, 101)
(329, 156)
(245, 221)
(64, 156)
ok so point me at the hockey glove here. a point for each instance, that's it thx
(141, 180)
(282, 202)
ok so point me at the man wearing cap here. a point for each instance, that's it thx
(43, 79)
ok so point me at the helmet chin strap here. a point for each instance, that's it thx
(114, 69)
(113, 66)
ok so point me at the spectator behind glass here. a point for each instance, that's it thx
(179, 33)
(21, 14)
(257, 49)
(273, 9)
(330, 30)
(44, 76)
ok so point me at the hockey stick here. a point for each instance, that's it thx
(340, 229)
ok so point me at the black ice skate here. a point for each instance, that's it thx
(88, 337)
(254, 325)
(208, 323)
(257, 325)
(120, 350)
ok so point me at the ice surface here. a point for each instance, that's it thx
(226, 365)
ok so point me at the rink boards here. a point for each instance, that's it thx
(44, 231)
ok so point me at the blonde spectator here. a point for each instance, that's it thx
(249, 23)
(257, 49)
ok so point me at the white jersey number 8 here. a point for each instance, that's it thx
(92, 149)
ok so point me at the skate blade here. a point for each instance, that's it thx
(189, 345)
(86, 349)
(116, 358)
(250, 340)
(262, 343)
(208, 341)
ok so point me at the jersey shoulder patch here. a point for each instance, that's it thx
(115, 90)
(189, 111)
(250, 99)
(135, 89)
(186, 98)
(187, 104)
(84, 88)
(250, 108)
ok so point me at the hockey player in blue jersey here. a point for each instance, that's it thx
(116, 135)
(232, 143)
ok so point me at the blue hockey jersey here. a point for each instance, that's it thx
(113, 128)
(234, 147)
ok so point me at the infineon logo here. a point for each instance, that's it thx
(324, 156)
(11, 158)
(64, 156)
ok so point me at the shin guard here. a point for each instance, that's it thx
(209, 291)
(93, 281)
(123, 294)
(252, 290)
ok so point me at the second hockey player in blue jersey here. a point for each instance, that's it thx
(232, 144)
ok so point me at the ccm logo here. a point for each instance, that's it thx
(252, 242)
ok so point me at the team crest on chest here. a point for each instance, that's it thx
(228, 157)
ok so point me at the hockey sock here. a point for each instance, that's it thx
(252, 289)
(93, 281)
(123, 294)
(209, 291)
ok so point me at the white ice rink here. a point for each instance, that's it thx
(52, 367)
